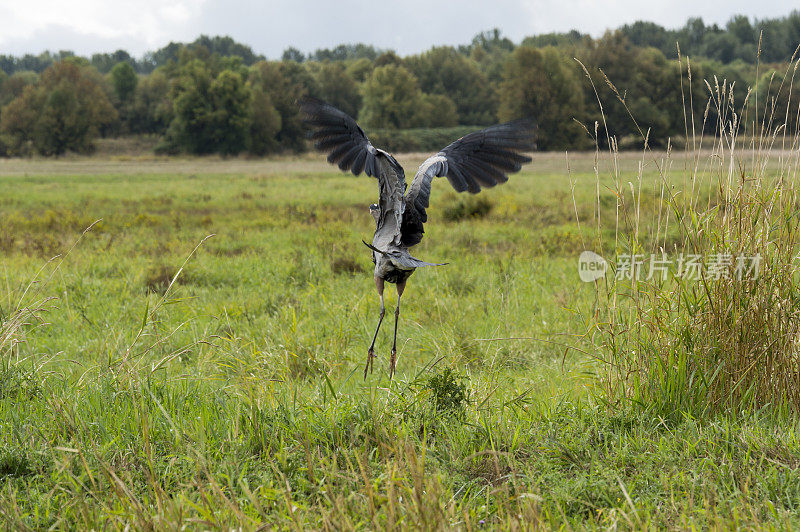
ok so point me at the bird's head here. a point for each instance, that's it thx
(375, 211)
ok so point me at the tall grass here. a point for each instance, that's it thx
(727, 337)
(22, 312)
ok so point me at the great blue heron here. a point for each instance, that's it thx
(480, 159)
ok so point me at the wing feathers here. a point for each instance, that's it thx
(358, 162)
(338, 135)
(456, 179)
(347, 160)
(479, 160)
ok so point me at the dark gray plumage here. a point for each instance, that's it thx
(478, 160)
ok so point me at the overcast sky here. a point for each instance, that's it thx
(269, 27)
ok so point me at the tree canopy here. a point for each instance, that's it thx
(64, 110)
(215, 95)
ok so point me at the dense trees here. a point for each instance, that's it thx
(337, 86)
(151, 110)
(738, 40)
(265, 123)
(391, 98)
(285, 83)
(212, 113)
(62, 111)
(541, 83)
(446, 72)
(215, 95)
(124, 81)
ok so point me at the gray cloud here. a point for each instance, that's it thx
(60, 37)
(406, 26)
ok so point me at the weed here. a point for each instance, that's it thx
(449, 392)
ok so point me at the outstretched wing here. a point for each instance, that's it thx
(337, 134)
(478, 160)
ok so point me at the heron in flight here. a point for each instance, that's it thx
(478, 160)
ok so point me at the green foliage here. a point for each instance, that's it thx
(391, 98)
(740, 28)
(345, 52)
(449, 391)
(436, 111)
(360, 69)
(104, 63)
(650, 86)
(388, 58)
(724, 340)
(446, 72)
(34, 63)
(204, 46)
(232, 112)
(226, 47)
(737, 40)
(777, 89)
(544, 86)
(212, 114)
(337, 87)
(650, 34)
(151, 109)
(124, 80)
(293, 54)
(218, 112)
(63, 111)
(490, 50)
(286, 83)
(265, 123)
(13, 85)
(492, 40)
(562, 40)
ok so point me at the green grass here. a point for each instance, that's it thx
(235, 398)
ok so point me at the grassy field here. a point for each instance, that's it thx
(235, 397)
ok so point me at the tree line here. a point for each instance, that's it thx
(215, 95)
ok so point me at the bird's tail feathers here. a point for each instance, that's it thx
(422, 263)
(406, 260)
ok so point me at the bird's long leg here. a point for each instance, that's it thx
(393, 360)
(371, 352)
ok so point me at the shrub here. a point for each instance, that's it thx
(464, 207)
